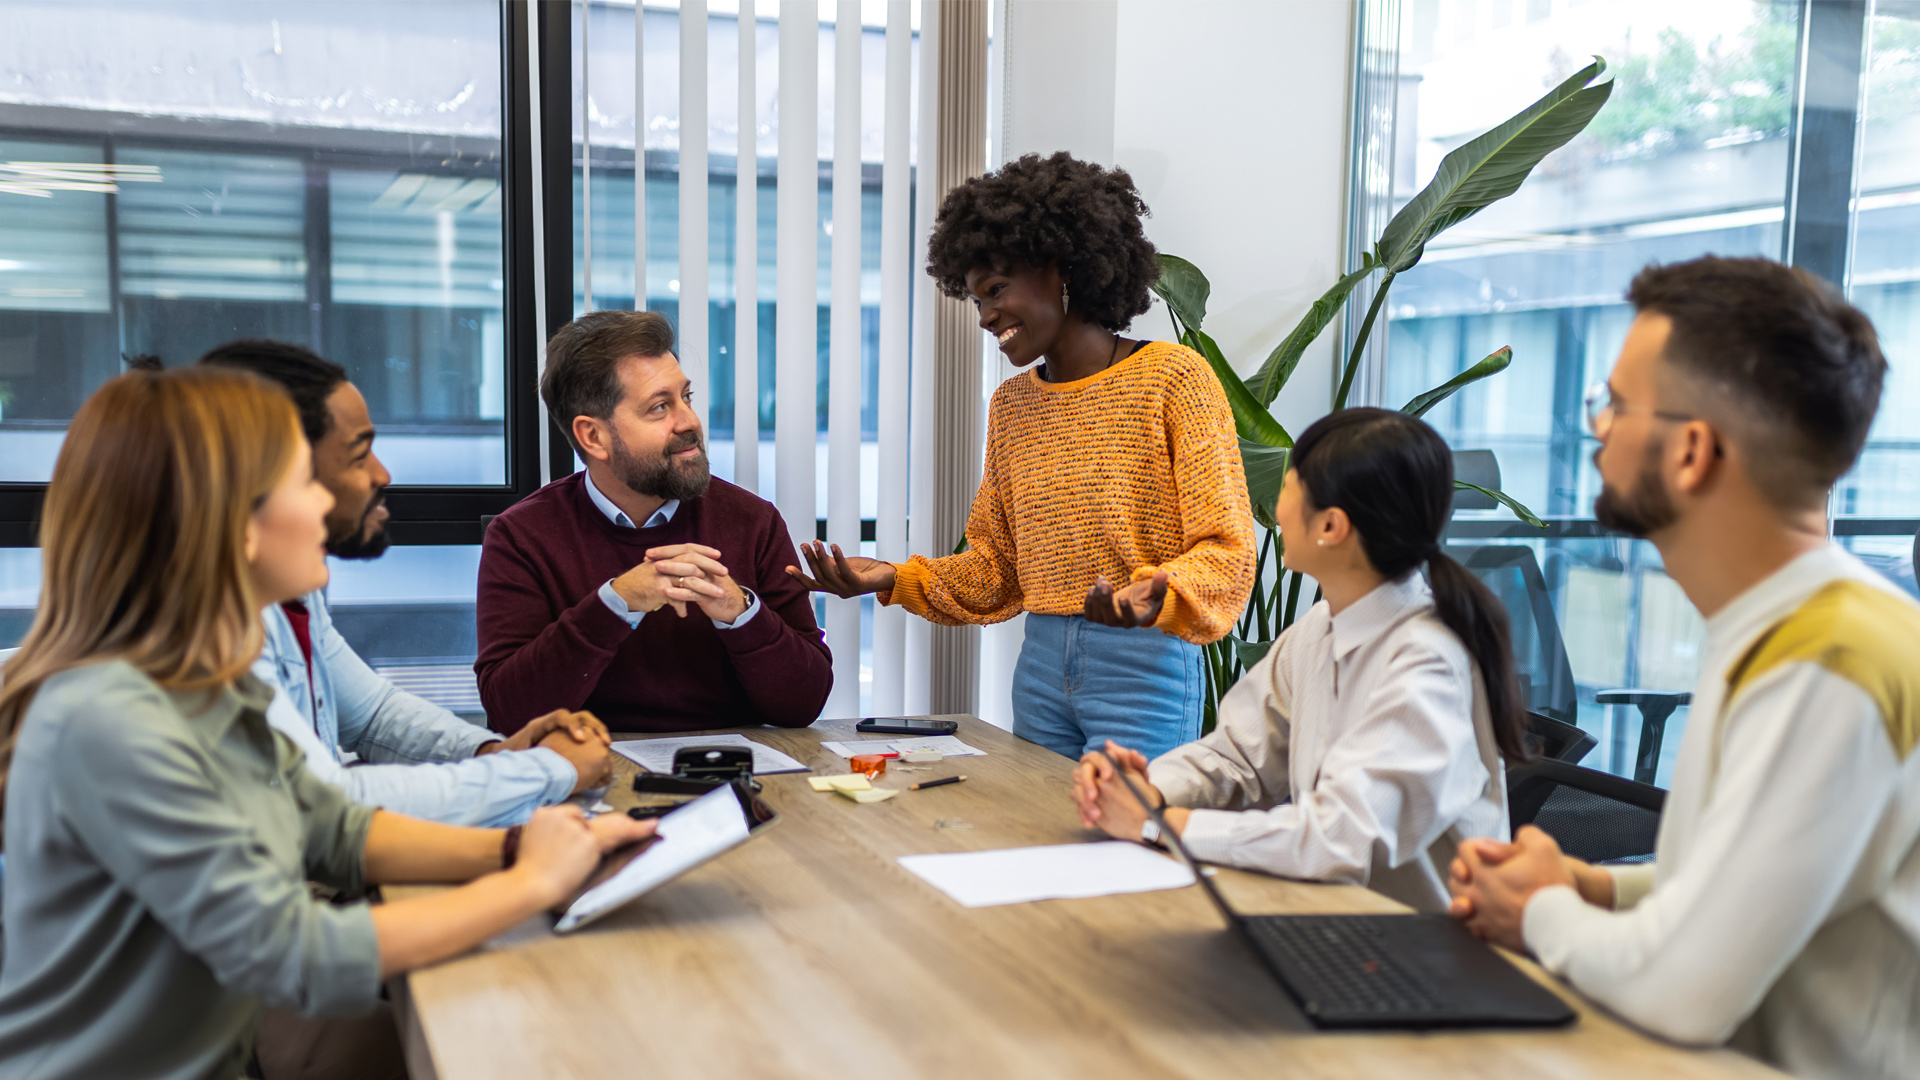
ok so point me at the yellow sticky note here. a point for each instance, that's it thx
(868, 795)
(845, 782)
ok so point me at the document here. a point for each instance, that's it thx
(1059, 872)
(656, 755)
(944, 745)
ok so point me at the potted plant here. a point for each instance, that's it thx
(1470, 178)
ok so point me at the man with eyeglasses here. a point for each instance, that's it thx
(1782, 911)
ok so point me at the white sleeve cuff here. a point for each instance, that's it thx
(745, 617)
(1179, 783)
(1551, 925)
(618, 605)
(1631, 884)
(1209, 834)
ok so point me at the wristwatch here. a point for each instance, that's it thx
(1150, 832)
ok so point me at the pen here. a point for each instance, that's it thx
(936, 783)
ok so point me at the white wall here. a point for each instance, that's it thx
(1231, 115)
(1059, 57)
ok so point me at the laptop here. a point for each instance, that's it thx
(1380, 971)
(718, 821)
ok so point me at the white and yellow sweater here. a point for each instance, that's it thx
(1783, 909)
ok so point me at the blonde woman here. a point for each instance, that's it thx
(159, 836)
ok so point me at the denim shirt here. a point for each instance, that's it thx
(416, 758)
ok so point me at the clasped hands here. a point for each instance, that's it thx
(681, 574)
(1106, 803)
(1492, 881)
(579, 737)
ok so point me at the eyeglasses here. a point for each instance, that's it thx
(1603, 408)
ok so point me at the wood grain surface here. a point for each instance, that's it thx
(809, 952)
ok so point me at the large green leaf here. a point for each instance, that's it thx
(1492, 166)
(1273, 375)
(1184, 288)
(1249, 652)
(1495, 363)
(1519, 509)
(1250, 418)
(1266, 469)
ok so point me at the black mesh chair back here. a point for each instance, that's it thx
(1550, 738)
(1546, 678)
(1593, 815)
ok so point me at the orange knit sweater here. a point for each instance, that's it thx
(1120, 474)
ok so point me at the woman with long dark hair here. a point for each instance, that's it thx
(1367, 744)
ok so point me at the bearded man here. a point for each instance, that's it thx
(1781, 913)
(642, 589)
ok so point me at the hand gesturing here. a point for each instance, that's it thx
(840, 575)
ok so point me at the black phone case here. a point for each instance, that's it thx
(872, 724)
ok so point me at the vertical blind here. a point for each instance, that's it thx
(903, 391)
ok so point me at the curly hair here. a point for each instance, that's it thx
(1074, 214)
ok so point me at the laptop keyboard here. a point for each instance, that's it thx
(1339, 967)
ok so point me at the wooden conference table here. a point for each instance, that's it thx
(809, 952)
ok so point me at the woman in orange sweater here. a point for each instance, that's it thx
(1112, 508)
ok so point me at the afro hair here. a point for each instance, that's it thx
(1033, 212)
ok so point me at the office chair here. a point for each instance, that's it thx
(1655, 707)
(1593, 815)
(1540, 657)
(1556, 739)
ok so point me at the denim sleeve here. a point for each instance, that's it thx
(485, 792)
(382, 723)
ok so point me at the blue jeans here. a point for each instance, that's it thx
(1079, 684)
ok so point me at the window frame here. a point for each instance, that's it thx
(1818, 196)
(444, 513)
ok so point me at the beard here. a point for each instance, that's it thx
(359, 543)
(1648, 509)
(662, 477)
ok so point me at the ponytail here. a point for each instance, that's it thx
(1393, 475)
(1479, 620)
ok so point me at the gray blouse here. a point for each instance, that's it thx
(158, 851)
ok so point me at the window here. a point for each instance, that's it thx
(323, 174)
(1692, 155)
(603, 254)
(176, 175)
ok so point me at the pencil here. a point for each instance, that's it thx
(936, 783)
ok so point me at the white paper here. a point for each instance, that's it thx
(944, 745)
(1064, 871)
(656, 755)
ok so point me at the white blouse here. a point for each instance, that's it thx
(1358, 751)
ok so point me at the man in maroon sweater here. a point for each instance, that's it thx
(642, 589)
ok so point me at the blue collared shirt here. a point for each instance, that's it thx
(416, 758)
(617, 603)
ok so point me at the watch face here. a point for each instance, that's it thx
(1150, 832)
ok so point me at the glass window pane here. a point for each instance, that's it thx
(1886, 268)
(326, 174)
(58, 337)
(1688, 158)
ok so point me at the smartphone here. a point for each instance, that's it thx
(906, 725)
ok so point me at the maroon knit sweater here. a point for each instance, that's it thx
(548, 642)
